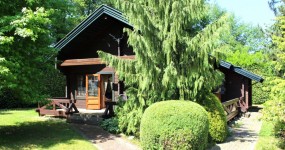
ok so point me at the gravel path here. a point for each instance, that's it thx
(244, 133)
(103, 140)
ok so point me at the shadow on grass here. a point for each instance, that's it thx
(8, 111)
(3, 112)
(42, 134)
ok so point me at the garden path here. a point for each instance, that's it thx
(244, 133)
(103, 140)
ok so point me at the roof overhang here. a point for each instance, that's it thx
(241, 71)
(89, 61)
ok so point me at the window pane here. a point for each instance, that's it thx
(92, 85)
(81, 85)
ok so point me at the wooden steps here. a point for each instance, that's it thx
(92, 117)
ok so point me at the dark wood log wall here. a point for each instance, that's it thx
(237, 86)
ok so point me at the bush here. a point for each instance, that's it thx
(273, 110)
(217, 118)
(110, 125)
(174, 124)
(9, 99)
(260, 92)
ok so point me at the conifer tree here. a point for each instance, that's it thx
(175, 55)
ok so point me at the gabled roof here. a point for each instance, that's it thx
(241, 71)
(102, 10)
(117, 15)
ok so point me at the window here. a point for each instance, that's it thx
(93, 85)
(81, 86)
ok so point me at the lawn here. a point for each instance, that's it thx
(267, 140)
(23, 129)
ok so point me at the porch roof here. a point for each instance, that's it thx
(241, 71)
(89, 61)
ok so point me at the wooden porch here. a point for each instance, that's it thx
(64, 107)
(233, 107)
(59, 107)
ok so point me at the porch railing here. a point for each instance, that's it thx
(231, 108)
(60, 107)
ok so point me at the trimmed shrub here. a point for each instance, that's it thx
(174, 124)
(217, 118)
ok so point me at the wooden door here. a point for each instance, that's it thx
(93, 92)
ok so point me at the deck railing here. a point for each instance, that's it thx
(60, 107)
(231, 108)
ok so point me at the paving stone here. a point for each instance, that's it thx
(244, 135)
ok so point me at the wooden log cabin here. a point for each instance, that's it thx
(87, 76)
(236, 91)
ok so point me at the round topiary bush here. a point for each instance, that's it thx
(217, 118)
(174, 124)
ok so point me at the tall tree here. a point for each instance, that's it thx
(173, 55)
(23, 46)
(86, 7)
(27, 31)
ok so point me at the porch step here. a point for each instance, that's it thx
(85, 118)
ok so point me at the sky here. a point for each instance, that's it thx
(255, 12)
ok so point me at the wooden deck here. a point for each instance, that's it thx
(59, 107)
(63, 107)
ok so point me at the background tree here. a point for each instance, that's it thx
(173, 55)
(28, 29)
(249, 47)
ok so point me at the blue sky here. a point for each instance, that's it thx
(255, 12)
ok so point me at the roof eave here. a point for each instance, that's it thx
(241, 71)
(104, 9)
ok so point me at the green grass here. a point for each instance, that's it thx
(23, 129)
(267, 140)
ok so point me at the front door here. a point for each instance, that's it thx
(93, 91)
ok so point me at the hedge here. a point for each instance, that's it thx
(217, 118)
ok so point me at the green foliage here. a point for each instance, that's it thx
(217, 118)
(274, 108)
(249, 48)
(172, 55)
(111, 125)
(261, 91)
(267, 139)
(244, 36)
(174, 124)
(8, 100)
(25, 53)
(27, 31)
(257, 63)
(86, 7)
(54, 83)
(242, 57)
(278, 39)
